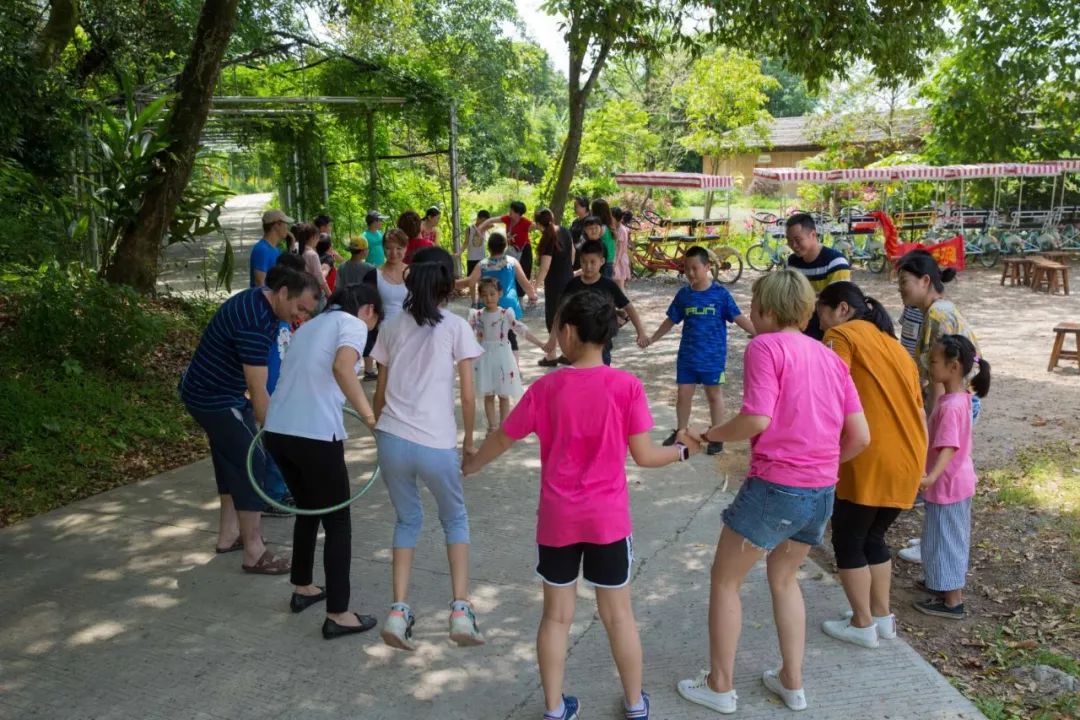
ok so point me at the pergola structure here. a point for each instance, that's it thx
(291, 106)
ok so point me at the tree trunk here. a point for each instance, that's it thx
(571, 150)
(63, 17)
(136, 260)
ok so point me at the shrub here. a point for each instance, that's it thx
(69, 314)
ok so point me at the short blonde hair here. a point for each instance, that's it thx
(787, 295)
(396, 236)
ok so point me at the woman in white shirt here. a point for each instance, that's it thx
(305, 434)
(419, 352)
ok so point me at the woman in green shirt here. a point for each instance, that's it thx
(602, 210)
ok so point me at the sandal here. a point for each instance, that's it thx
(269, 564)
(238, 545)
(544, 362)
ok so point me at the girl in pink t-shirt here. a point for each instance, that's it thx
(950, 479)
(802, 415)
(586, 417)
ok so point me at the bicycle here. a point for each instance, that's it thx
(658, 253)
(772, 251)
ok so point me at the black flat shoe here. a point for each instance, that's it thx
(331, 629)
(300, 603)
(547, 363)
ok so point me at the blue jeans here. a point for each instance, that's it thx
(767, 514)
(402, 462)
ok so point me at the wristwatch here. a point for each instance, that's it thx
(684, 452)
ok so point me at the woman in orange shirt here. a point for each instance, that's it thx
(880, 482)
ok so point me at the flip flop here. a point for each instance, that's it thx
(269, 564)
(238, 545)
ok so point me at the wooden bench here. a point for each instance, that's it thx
(1058, 353)
(1017, 270)
(1048, 274)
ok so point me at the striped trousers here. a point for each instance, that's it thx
(946, 545)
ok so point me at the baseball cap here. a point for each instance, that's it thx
(357, 244)
(374, 215)
(272, 216)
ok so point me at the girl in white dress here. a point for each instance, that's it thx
(497, 373)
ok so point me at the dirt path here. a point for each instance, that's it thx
(1027, 405)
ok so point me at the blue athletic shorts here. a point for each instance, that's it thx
(691, 376)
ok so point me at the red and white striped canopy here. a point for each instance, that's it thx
(1065, 165)
(685, 181)
(1032, 169)
(798, 175)
(974, 172)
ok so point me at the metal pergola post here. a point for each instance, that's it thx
(455, 208)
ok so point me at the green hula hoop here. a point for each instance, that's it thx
(300, 511)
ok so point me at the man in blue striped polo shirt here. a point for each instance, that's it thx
(228, 368)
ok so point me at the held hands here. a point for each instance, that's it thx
(533, 299)
(690, 439)
(469, 464)
(926, 482)
(642, 341)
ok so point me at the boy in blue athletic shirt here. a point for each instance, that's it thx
(705, 308)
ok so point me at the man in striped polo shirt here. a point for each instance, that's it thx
(821, 265)
(228, 368)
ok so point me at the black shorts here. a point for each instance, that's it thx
(513, 340)
(469, 265)
(605, 566)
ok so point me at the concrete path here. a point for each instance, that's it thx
(117, 607)
(191, 268)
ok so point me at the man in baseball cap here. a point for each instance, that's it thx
(265, 252)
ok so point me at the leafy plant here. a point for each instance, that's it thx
(71, 318)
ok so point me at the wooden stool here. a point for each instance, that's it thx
(1059, 341)
(1012, 269)
(1059, 256)
(1044, 272)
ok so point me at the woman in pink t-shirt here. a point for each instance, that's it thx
(586, 417)
(950, 479)
(802, 415)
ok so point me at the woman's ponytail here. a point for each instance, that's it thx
(877, 314)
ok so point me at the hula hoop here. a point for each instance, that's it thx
(300, 511)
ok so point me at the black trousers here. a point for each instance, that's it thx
(526, 267)
(317, 477)
(858, 534)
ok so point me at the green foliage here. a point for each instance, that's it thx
(1009, 90)
(725, 98)
(791, 98)
(70, 316)
(617, 139)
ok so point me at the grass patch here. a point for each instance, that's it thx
(69, 430)
(1045, 478)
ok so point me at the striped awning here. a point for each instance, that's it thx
(1033, 169)
(798, 175)
(682, 180)
(1065, 165)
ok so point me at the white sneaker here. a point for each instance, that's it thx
(911, 554)
(698, 691)
(843, 630)
(914, 541)
(794, 699)
(463, 628)
(886, 625)
(397, 631)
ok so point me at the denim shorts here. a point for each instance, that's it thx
(767, 514)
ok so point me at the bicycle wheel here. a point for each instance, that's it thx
(727, 265)
(990, 253)
(876, 263)
(758, 258)
(652, 217)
